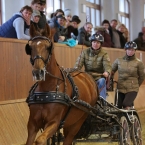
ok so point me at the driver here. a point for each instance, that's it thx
(96, 62)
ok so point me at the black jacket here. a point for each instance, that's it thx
(83, 37)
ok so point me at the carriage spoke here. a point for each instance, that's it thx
(124, 137)
(136, 132)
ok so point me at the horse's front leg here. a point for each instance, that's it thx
(47, 133)
(32, 132)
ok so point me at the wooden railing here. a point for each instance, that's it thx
(16, 70)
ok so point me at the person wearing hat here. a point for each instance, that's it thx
(35, 19)
(42, 22)
(130, 76)
(58, 23)
(68, 17)
(96, 62)
(36, 16)
(73, 28)
(18, 25)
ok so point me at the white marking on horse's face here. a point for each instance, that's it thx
(38, 42)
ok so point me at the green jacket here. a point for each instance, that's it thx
(130, 73)
(96, 62)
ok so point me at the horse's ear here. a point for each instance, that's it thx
(32, 30)
(46, 31)
(53, 31)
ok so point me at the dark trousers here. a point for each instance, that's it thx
(126, 100)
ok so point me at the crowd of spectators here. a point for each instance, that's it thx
(67, 27)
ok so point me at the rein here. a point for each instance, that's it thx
(53, 76)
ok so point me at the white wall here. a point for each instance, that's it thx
(8, 9)
(136, 17)
(109, 11)
(76, 8)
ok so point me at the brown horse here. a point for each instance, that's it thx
(51, 98)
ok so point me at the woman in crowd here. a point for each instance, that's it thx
(104, 31)
(96, 62)
(18, 25)
(131, 75)
(122, 28)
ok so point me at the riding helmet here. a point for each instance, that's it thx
(130, 44)
(97, 37)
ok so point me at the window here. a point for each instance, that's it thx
(52, 6)
(93, 12)
(123, 15)
(144, 17)
(144, 11)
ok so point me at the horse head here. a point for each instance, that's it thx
(40, 49)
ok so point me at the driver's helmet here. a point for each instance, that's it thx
(130, 44)
(97, 37)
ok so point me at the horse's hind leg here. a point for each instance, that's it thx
(71, 131)
(32, 132)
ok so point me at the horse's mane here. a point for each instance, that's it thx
(47, 31)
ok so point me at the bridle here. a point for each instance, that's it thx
(50, 48)
(28, 50)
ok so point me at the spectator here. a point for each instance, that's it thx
(117, 37)
(35, 5)
(73, 28)
(58, 23)
(35, 19)
(68, 17)
(96, 62)
(84, 34)
(124, 32)
(42, 22)
(140, 41)
(18, 25)
(104, 31)
(54, 15)
(106, 24)
(130, 76)
(58, 12)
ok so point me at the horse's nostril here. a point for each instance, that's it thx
(38, 75)
(41, 71)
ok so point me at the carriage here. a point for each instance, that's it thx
(69, 99)
(106, 123)
(114, 125)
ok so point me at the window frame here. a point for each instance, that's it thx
(95, 7)
(124, 14)
(53, 5)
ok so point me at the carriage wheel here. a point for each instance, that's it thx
(124, 135)
(136, 132)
